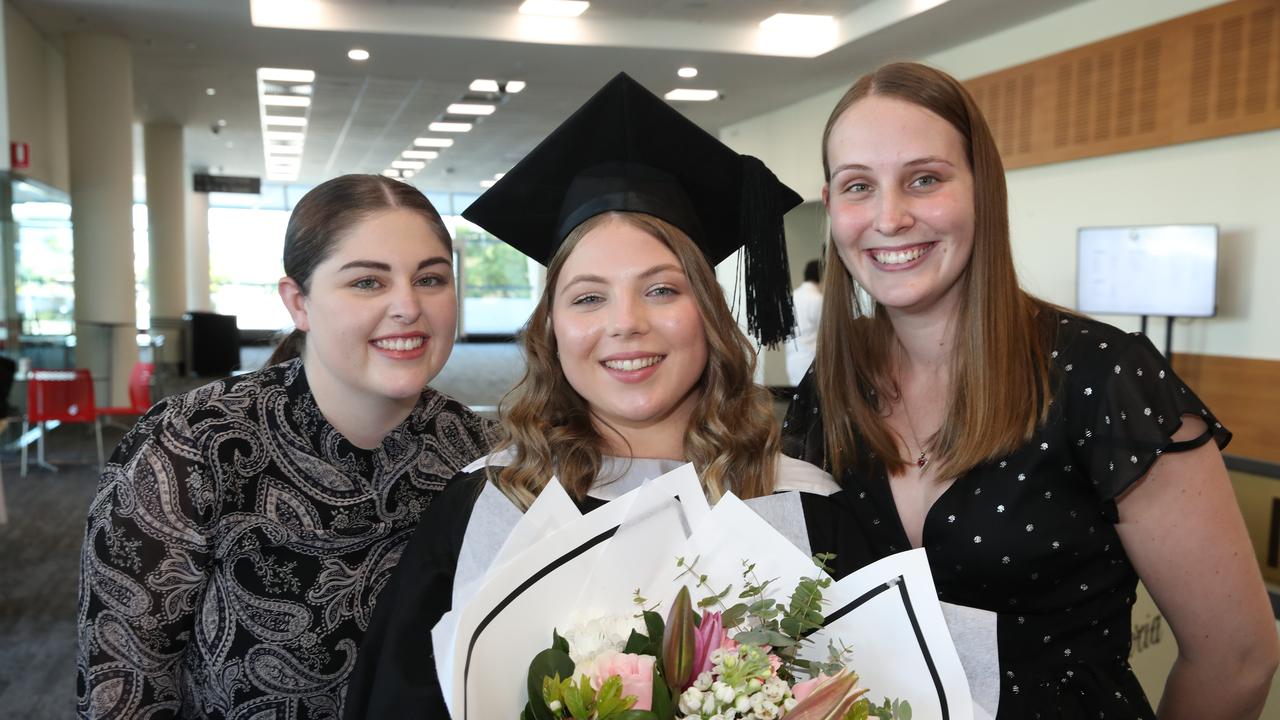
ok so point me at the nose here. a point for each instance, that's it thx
(628, 316)
(893, 215)
(403, 305)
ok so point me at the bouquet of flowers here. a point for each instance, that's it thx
(721, 639)
(735, 662)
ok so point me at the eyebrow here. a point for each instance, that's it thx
(927, 160)
(588, 278)
(384, 267)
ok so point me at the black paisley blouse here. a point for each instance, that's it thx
(237, 543)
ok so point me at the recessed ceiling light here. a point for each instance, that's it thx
(286, 75)
(285, 121)
(210, 91)
(449, 127)
(286, 100)
(687, 72)
(487, 86)
(554, 8)
(358, 54)
(692, 95)
(487, 183)
(221, 122)
(514, 86)
(470, 109)
(406, 174)
(408, 164)
(391, 173)
(420, 154)
(433, 142)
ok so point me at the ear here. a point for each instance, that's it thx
(826, 188)
(295, 301)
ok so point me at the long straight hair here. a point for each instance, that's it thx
(732, 437)
(1001, 370)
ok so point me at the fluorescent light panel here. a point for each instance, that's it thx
(286, 100)
(449, 127)
(796, 22)
(286, 75)
(284, 135)
(433, 142)
(487, 183)
(554, 8)
(358, 54)
(687, 72)
(284, 121)
(284, 149)
(515, 86)
(408, 164)
(470, 109)
(420, 154)
(485, 86)
(692, 95)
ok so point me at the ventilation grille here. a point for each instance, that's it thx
(1208, 74)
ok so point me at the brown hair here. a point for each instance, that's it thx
(324, 215)
(1000, 375)
(732, 438)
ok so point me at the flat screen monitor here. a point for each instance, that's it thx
(1168, 270)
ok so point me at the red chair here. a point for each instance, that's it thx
(139, 392)
(55, 397)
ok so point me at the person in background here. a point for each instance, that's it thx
(635, 364)
(241, 533)
(807, 299)
(1046, 461)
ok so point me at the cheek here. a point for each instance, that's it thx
(575, 336)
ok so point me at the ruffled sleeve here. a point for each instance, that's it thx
(1124, 403)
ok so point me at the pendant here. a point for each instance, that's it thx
(922, 462)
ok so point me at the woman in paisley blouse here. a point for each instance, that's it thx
(1046, 461)
(242, 532)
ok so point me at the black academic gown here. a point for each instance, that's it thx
(395, 675)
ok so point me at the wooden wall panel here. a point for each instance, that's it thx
(1208, 74)
(1245, 395)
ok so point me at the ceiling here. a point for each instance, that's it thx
(424, 53)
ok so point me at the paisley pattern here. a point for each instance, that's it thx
(237, 544)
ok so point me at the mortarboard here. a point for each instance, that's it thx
(626, 149)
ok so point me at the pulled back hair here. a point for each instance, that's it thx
(322, 218)
(1001, 370)
(732, 437)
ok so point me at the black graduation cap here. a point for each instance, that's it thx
(626, 149)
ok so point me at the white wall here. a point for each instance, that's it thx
(1229, 181)
(37, 104)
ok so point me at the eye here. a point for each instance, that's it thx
(857, 187)
(432, 280)
(663, 291)
(366, 283)
(925, 181)
(587, 299)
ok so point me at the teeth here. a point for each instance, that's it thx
(629, 365)
(898, 257)
(400, 344)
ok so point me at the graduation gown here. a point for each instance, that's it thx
(395, 672)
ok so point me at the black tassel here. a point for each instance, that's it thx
(770, 316)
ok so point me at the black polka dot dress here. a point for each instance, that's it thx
(1031, 537)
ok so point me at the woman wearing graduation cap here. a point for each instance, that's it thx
(635, 364)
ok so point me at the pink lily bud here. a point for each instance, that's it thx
(707, 638)
(830, 700)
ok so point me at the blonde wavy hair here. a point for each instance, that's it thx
(732, 437)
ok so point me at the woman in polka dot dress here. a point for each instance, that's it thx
(1045, 461)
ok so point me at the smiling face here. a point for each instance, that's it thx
(627, 327)
(379, 313)
(901, 203)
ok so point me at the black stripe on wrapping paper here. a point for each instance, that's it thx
(519, 590)
(901, 584)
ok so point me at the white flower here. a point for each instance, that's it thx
(704, 680)
(724, 693)
(589, 640)
(774, 691)
(742, 704)
(691, 701)
(789, 704)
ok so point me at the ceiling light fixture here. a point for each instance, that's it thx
(286, 100)
(470, 109)
(420, 154)
(284, 135)
(488, 183)
(433, 142)
(408, 164)
(210, 91)
(554, 8)
(284, 121)
(391, 173)
(798, 35)
(286, 75)
(358, 54)
(514, 86)
(458, 127)
(796, 22)
(692, 95)
(284, 149)
(687, 72)
(483, 86)
(498, 176)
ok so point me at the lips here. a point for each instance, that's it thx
(633, 364)
(900, 256)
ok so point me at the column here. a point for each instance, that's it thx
(166, 218)
(198, 252)
(99, 119)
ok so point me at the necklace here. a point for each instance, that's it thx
(922, 461)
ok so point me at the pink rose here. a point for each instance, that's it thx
(804, 689)
(635, 671)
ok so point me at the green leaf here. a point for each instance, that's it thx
(859, 711)
(550, 663)
(663, 706)
(559, 643)
(636, 715)
(904, 710)
(638, 644)
(575, 703)
(734, 615)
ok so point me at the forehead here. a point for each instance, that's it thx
(886, 130)
(393, 230)
(617, 248)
